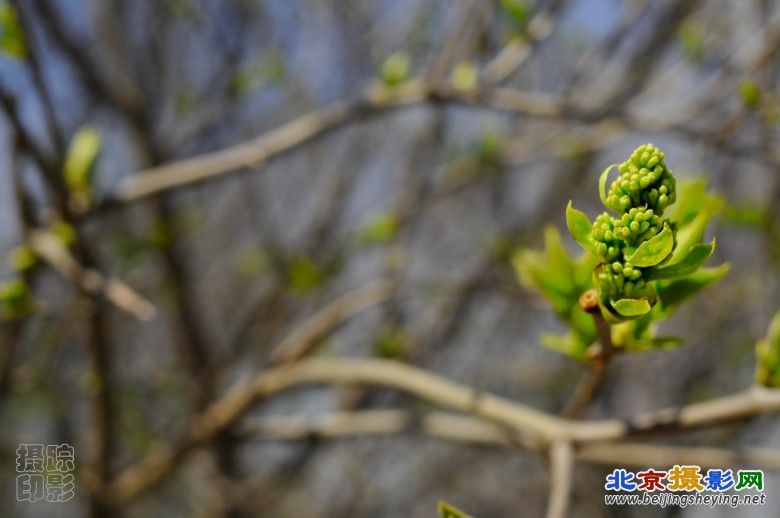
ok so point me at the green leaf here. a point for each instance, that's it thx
(692, 200)
(569, 344)
(12, 40)
(768, 355)
(632, 307)
(690, 235)
(63, 232)
(380, 228)
(751, 214)
(603, 184)
(393, 343)
(15, 299)
(518, 10)
(750, 93)
(448, 511)
(84, 148)
(396, 68)
(464, 76)
(695, 258)
(533, 271)
(22, 258)
(664, 342)
(580, 227)
(655, 250)
(304, 275)
(673, 293)
(691, 37)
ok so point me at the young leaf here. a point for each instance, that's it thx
(22, 258)
(689, 235)
(750, 93)
(83, 150)
(695, 258)
(692, 200)
(580, 227)
(673, 293)
(518, 10)
(395, 69)
(569, 345)
(12, 38)
(768, 355)
(464, 76)
(603, 184)
(448, 511)
(655, 250)
(380, 228)
(533, 271)
(632, 308)
(666, 342)
(15, 299)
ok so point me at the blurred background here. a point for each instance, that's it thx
(391, 151)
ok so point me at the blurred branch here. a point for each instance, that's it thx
(593, 381)
(457, 427)
(90, 281)
(561, 478)
(257, 151)
(459, 35)
(376, 422)
(647, 455)
(520, 48)
(300, 342)
(531, 427)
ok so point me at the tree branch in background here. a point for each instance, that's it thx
(530, 427)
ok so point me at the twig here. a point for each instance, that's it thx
(300, 342)
(593, 381)
(462, 428)
(648, 455)
(531, 427)
(259, 150)
(90, 281)
(520, 48)
(561, 478)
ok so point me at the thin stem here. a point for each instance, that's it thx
(561, 478)
(593, 381)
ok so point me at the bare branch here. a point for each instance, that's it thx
(91, 281)
(259, 150)
(531, 426)
(561, 475)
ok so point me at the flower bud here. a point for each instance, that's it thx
(637, 225)
(644, 181)
(619, 279)
(608, 244)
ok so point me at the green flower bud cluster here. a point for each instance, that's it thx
(644, 180)
(637, 225)
(639, 195)
(619, 278)
(608, 245)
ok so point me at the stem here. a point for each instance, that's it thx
(561, 478)
(593, 381)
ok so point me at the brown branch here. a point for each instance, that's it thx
(520, 48)
(593, 381)
(259, 150)
(462, 428)
(561, 478)
(531, 427)
(117, 292)
(300, 342)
